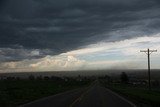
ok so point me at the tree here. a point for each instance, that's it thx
(46, 77)
(124, 77)
(31, 77)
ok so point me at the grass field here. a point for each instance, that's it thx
(140, 95)
(17, 92)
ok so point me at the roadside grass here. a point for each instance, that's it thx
(17, 92)
(139, 95)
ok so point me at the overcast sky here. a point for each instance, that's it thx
(58, 35)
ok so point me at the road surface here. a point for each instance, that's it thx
(93, 96)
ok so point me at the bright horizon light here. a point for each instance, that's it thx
(123, 54)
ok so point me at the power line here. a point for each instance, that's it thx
(148, 52)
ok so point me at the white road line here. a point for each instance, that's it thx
(48, 97)
(121, 98)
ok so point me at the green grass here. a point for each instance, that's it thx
(17, 92)
(139, 95)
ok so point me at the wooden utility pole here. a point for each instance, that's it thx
(148, 52)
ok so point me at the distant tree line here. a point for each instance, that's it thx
(124, 77)
(50, 78)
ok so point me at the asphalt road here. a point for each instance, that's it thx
(93, 96)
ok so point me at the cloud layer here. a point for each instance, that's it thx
(34, 29)
(112, 55)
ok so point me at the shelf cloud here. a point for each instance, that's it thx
(35, 29)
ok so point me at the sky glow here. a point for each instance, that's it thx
(111, 55)
(70, 35)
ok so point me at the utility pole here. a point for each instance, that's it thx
(148, 52)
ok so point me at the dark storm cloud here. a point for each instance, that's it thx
(17, 53)
(63, 25)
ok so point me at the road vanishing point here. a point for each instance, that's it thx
(92, 96)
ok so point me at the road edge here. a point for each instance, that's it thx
(124, 99)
